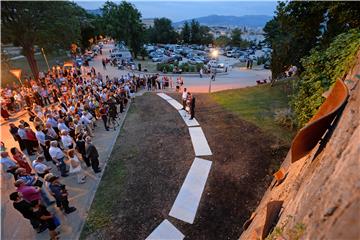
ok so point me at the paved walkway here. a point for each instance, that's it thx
(14, 226)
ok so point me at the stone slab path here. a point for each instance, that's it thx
(186, 117)
(188, 199)
(166, 231)
(200, 144)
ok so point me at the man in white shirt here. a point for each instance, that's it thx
(86, 123)
(50, 131)
(66, 140)
(62, 126)
(40, 136)
(40, 168)
(58, 156)
(184, 97)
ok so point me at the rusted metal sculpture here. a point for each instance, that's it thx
(307, 138)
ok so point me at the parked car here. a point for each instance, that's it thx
(195, 60)
(157, 59)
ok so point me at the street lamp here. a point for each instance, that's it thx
(214, 54)
(43, 52)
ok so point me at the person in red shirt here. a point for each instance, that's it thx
(21, 159)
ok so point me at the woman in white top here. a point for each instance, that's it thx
(66, 140)
(75, 166)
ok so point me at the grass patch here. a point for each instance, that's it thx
(105, 203)
(146, 64)
(53, 59)
(258, 105)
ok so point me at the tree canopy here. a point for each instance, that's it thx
(123, 23)
(298, 26)
(51, 25)
(162, 32)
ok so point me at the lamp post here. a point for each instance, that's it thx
(214, 54)
(43, 52)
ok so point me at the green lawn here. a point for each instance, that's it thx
(7, 77)
(258, 105)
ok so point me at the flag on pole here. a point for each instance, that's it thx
(16, 73)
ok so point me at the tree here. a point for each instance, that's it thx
(205, 36)
(51, 25)
(222, 41)
(123, 23)
(163, 31)
(236, 37)
(186, 33)
(340, 17)
(195, 32)
(294, 30)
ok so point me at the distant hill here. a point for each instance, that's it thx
(218, 20)
(95, 11)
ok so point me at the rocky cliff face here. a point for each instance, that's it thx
(321, 192)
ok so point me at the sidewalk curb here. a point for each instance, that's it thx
(78, 234)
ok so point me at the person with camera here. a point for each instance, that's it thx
(60, 193)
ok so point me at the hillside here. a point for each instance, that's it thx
(320, 194)
(254, 21)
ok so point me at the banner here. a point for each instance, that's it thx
(16, 73)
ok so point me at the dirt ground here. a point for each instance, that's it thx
(156, 154)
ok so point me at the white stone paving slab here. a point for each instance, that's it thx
(175, 104)
(188, 199)
(186, 117)
(164, 96)
(200, 144)
(166, 231)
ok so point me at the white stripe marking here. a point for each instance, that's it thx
(186, 117)
(164, 96)
(166, 231)
(188, 199)
(175, 104)
(200, 144)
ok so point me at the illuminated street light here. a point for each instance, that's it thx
(215, 53)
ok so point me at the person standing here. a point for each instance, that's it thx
(20, 159)
(80, 147)
(7, 164)
(192, 107)
(46, 218)
(92, 154)
(75, 166)
(104, 64)
(58, 156)
(25, 208)
(103, 113)
(59, 192)
(201, 72)
(40, 168)
(184, 97)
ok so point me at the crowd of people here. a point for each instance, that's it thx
(63, 107)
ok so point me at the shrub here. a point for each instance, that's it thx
(185, 67)
(322, 69)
